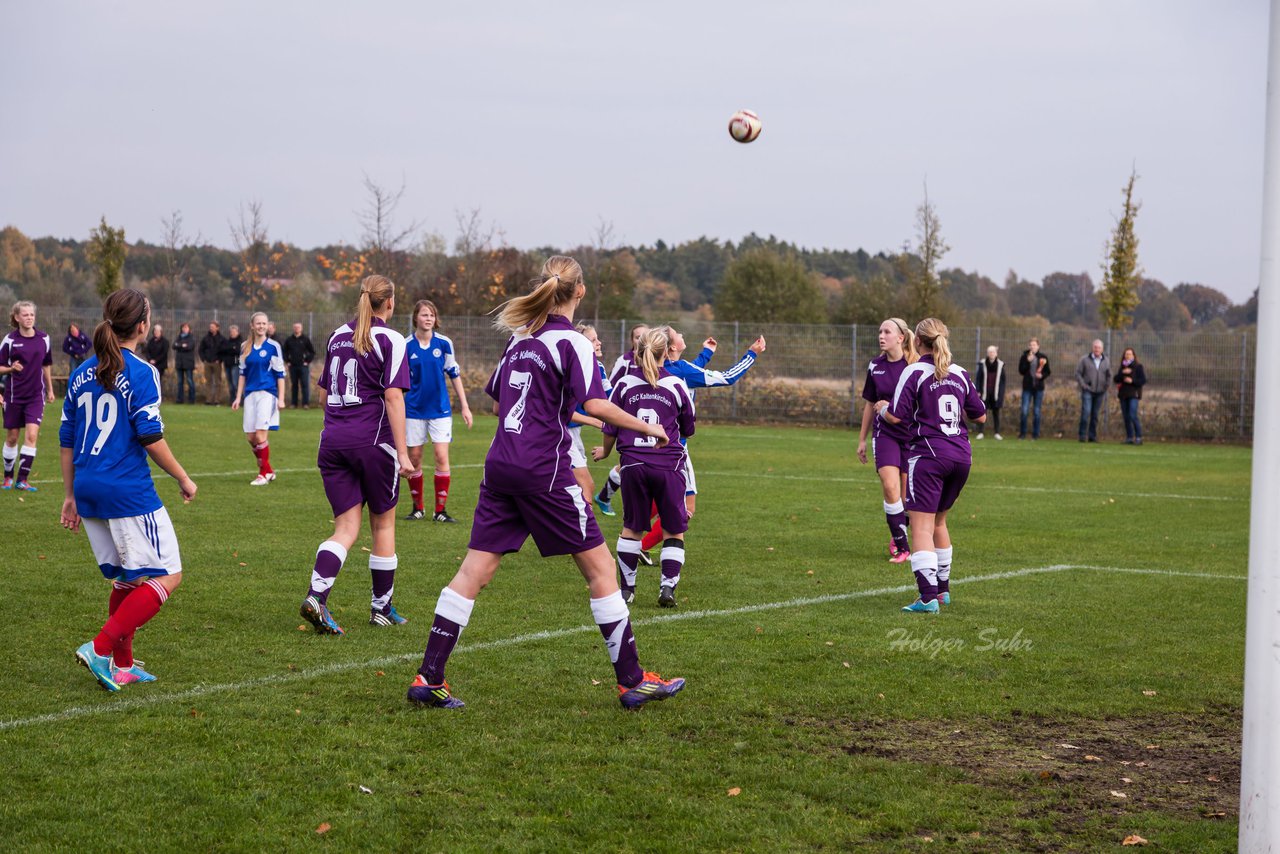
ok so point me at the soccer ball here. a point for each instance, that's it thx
(744, 126)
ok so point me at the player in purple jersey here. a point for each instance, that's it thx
(362, 451)
(111, 425)
(931, 401)
(261, 389)
(528, 489)
(579, 419)
(652, 476)
(897, 351)
(26, 359)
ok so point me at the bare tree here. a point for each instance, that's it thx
(177, 263)
(473, 283)
(595, 263)
(386, 244)
(249, 236)
(926, 284)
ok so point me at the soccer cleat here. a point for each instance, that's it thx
(262, 479)
(416, 515)
(999, 438)
(628, 593)
(651, 687)
(604, 507)
(23, 486)
(98, 665)
(442, 516)
(944, 598)
(897, 555)
(8, 483)
(978, 436)
(130, 675)
(921, 607)
(644, 557)
(317, 614)
(423, 693)
(666, 596)
(389, 617)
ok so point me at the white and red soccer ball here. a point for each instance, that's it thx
(744, 126)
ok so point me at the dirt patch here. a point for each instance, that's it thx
(1184, 765)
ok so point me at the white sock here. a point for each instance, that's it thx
(944, 564)
(452, 605)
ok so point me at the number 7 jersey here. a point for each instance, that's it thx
(933, 410)
(107, 432)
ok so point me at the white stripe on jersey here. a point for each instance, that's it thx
(921, 368)
(396, 343)
(586, 352)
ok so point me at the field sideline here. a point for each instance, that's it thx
(1099, 612)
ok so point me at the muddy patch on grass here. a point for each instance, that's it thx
(1183, 765)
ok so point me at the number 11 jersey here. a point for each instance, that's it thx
(107, 432)
(355, 411)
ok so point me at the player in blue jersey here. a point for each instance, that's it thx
(932, 399)
(26, 362)
(362, 451)
(652, 476)
(110, 426)
(432, 367)
(890, 440)
(261, 390)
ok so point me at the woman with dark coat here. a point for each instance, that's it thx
(990, 380)
(1130, 379)
(77, 346)
(184, 361)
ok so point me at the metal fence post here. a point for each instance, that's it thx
(733, 404)
(1244, 361)
(853, 374)
(977, 347)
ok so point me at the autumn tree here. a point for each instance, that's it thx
(1118, 295)
(925, 285)
(106, 251)
(474, 287)
(176, 261)
(762, 285)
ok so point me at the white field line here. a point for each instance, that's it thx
(250, 472)
(126, 704)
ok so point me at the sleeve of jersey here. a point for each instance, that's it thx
(144, 409)
(704, 357)
(580, 370)
(619, 369)
(973, 404)
(48, 351)
(67, 429)
(5, 351)
(395, 367)
(324, 380)
(904, 396)
(451, 365)
(687, 417)
(869, 387)
(277, 362)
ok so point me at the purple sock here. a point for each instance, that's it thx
(24, 463)
(10, 460)
(925, 567)
(672, 561)
(329, 559)
(611, 615)
(896, 518)
(453, 612)
(383, 570)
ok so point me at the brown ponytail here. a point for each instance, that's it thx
(932, 333)
(123, 311)
(374, 293)
(558, 284)
(651, 352)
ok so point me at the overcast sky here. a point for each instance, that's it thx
(1025, 119)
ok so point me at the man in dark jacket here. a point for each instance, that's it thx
(989, 378)
(157, 351)
(211, 355)
(298, 353)
(1093, 376)
(1034, 367)
(184, 362)
(230, 354)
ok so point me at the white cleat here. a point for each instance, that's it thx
(263, 479)
(999, 438)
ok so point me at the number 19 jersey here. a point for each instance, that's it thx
(107, 431)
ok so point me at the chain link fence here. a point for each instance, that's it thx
(1199, 384)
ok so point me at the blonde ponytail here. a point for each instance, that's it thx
(651, 352)
(908, 340)
(558, 285)
(374, 293)
(932, 334)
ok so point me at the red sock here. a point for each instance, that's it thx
(139, 606)
(263, 453)
(123, 651)
(442, 490)
(415, 489)
(654, 536)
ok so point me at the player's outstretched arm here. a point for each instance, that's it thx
(600, 408)
(163, 457)
(70, 514)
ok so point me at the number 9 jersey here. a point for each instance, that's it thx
(933, 410)
(107, 431)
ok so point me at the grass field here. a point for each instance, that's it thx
(1085, 684)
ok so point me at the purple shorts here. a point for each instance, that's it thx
(889, 452)
(933, 485)
(559, 521)
(355, 476)
(20, 413)
(645, 485)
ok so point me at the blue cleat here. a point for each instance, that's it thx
(604, 507)
(944, 598)
(922, 607)
(652, 687)
(23, 486)
(130, 675)
(423, 693)
(389, 617)
(98, 665)
(317, 614)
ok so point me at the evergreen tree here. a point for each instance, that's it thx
(925, 284)
(763, 286)
(106, 252)
(1121, 275)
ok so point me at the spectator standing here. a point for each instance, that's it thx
(210, 352)
(184, 362)
(273, 335)
(990, 380)
(157, 350)
(230, 354)
(298, 353)
(1129, 382)
(1093, 376)
(77, 346)
(1034, 367)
